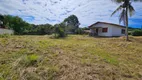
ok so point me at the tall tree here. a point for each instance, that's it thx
(126, 9)
(16, 23)
(72, 22)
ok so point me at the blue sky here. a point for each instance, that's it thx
(55, 11)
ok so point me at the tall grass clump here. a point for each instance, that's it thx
(5, 35)
(29, 60)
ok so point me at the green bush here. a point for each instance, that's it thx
(130, 33)
(79, 31)
(137, 33)
(60, 32)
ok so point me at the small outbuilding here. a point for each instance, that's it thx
(3, 30)
(107, 29)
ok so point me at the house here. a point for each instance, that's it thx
(107, 29)
(6, 31)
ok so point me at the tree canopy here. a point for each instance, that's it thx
(72, 22)
(1, 17)
(126, 9)
(16, 23)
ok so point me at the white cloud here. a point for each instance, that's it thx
(54, 11)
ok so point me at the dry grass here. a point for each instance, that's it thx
(73, 58)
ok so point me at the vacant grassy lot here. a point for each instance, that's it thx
(73, 58)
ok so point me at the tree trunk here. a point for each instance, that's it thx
(127, 21)
(55, 32)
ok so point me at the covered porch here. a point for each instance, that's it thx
(95, 31)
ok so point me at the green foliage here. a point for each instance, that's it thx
(129, 32)
(1, 17)
(16, 23)
(41, 29)
(59, 32)
(1, 20)
(32, 58)
(72, 23)
(79, 31)
(137, 33)
(85, 28)
(126, 9)
(29, 60)
(20, 27)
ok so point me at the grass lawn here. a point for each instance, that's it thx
(73, 58)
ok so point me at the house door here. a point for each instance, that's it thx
(97, 30)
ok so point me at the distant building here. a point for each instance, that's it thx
(107, 29)
(86, 31)
(3, 29)
(6, 31)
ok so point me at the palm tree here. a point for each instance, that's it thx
(126, 9)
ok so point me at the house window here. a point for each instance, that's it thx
(104, 29)
(123, 31)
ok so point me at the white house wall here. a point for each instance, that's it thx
(6, 31)
(100, 33)
(116, 31)
(112, 30)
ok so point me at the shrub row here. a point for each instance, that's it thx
(137, 33)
